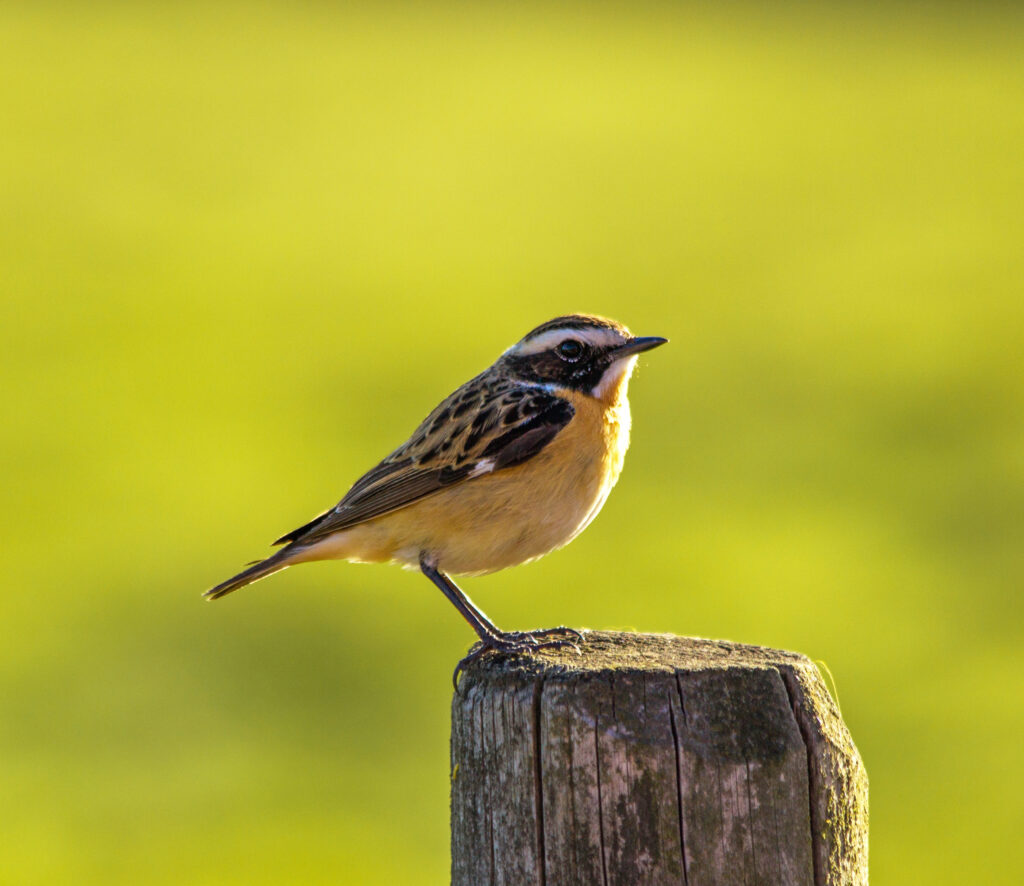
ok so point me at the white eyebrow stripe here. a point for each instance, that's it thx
(598, 338)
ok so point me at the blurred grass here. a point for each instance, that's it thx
(247, 247)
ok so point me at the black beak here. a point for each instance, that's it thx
(637, 345)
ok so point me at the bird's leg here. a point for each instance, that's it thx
(486, 630)
(491, 636)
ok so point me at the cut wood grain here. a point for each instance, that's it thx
(653, 759)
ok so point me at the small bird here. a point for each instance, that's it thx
(511, 466)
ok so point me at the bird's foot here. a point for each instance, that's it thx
(515, 642)
(532, 639)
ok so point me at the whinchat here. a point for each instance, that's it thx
(514, 464)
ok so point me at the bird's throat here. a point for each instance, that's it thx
(612, 388)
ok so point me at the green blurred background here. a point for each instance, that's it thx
(246, 247)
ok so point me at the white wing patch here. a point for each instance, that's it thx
(484, 466)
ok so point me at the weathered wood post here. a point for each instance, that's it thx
(653, 759)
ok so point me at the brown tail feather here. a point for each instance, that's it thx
(263, 568)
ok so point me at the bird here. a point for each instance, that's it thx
(514, 464)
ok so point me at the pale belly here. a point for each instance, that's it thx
(506, 518)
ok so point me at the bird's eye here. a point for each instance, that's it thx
(570, 350)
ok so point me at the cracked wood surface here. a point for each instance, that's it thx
(653, 759)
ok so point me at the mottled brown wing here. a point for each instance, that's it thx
(478, 430)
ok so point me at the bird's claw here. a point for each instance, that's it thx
(537, 639)
(514, 642)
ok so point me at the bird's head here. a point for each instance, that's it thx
(580, 352)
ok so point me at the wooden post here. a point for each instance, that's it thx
(653, 759)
